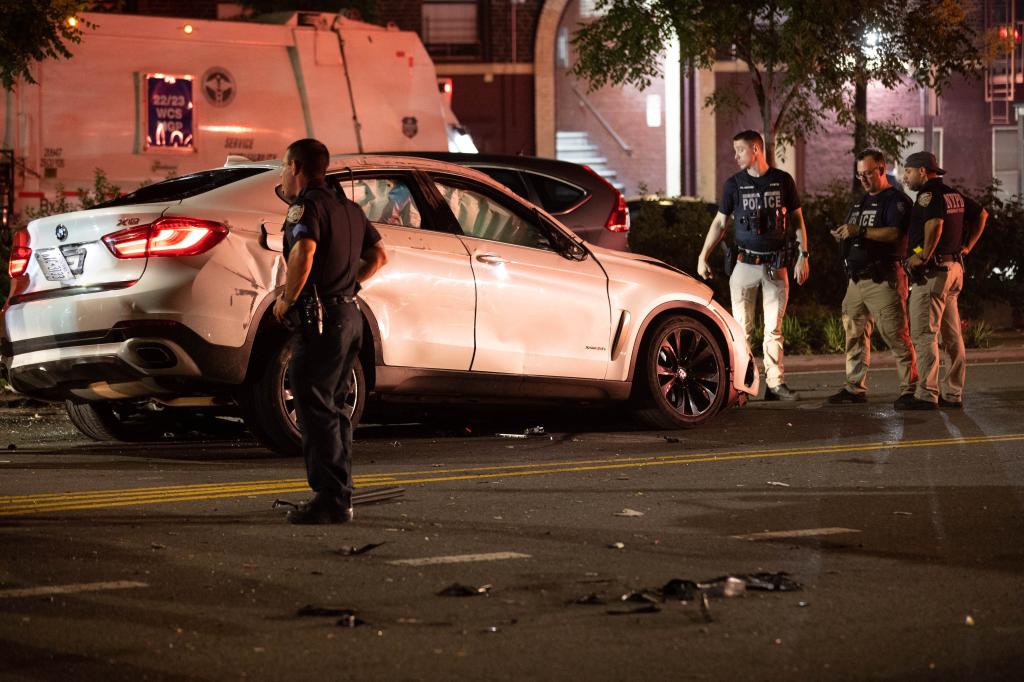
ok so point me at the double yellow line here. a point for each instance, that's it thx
(18, 505)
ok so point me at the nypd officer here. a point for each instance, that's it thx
(764, 202)
(874, 245)
(936, 263)
(324, 238)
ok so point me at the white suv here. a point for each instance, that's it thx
(160, 301)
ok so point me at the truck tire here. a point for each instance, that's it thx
(268, 408)
(106, 421)
(682, 380)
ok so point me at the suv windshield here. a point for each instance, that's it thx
(176, 189)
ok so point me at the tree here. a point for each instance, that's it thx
(802, 55)
(34, 31)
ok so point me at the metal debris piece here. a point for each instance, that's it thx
(377, 495)
(903, 513)
(725, 586)
(353, 551)
(778, 483)
(705, 608)
(679, 589)
(460, 590)
(591, 599)
(649, 608)
(323, 611)
(629, 513)
(771, 582)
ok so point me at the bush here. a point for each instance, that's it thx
(835, 335)
(993, 271)
(977, 334)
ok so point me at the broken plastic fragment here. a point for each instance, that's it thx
(617, 545)
(679, 589)
(460, 590)
(642, 597)
(969, 620)
(353, 551)
(771, 582)
(705, 608)
(629, 512)
(778, 483)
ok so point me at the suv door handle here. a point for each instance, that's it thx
(490, 259)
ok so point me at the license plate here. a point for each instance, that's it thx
(55, 268)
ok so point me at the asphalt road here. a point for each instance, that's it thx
(168, 562)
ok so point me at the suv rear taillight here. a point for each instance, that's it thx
(618, 220)
(20, 254)
(166, 237)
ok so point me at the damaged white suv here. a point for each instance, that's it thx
(160, 301)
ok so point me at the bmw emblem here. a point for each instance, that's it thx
(62, 232)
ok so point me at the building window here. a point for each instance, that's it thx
(451, 29)
(1005, 160)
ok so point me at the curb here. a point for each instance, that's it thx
(884, 358)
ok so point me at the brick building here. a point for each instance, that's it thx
(508, 63)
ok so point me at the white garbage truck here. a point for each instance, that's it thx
(145, 98)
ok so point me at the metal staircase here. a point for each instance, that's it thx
(575, 146)
(1005, 74)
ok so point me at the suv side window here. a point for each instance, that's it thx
(485, 217)
(509, 178)
(386, 201)
(556, 196)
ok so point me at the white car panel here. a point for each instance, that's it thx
(423, 299)
(538, 313)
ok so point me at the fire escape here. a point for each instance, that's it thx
(1004, 77)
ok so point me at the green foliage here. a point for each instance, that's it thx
(34, 31)
(834, 335)
(796, 335)
(994, 270)
(827, 284)
(799, 79)
(977, 334)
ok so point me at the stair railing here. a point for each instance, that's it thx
(603, 121)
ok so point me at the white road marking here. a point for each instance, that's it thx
(70, 589)
(805, 533)
(459, 559)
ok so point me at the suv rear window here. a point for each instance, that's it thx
(176, 189)
(556, 196)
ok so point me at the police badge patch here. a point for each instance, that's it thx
(924, 199)
(295, 213)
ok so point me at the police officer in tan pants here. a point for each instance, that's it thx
(874, 243)
(937, 248)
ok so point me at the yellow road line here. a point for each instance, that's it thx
(26, 504)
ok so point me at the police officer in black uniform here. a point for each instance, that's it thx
(765, 204)
(874, 245)
(325, 236)
(937, 247)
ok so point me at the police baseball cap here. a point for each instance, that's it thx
(924, 160)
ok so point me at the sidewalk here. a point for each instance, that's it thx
(1007, 346)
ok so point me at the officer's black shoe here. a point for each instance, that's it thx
(780, 392)
(904, 402)
(320, 511)
(918, 404)
(844, 397)
(951, 404)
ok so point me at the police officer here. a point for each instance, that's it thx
(764, 202)
(324, 238)
(936, 263)
(874, 247)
